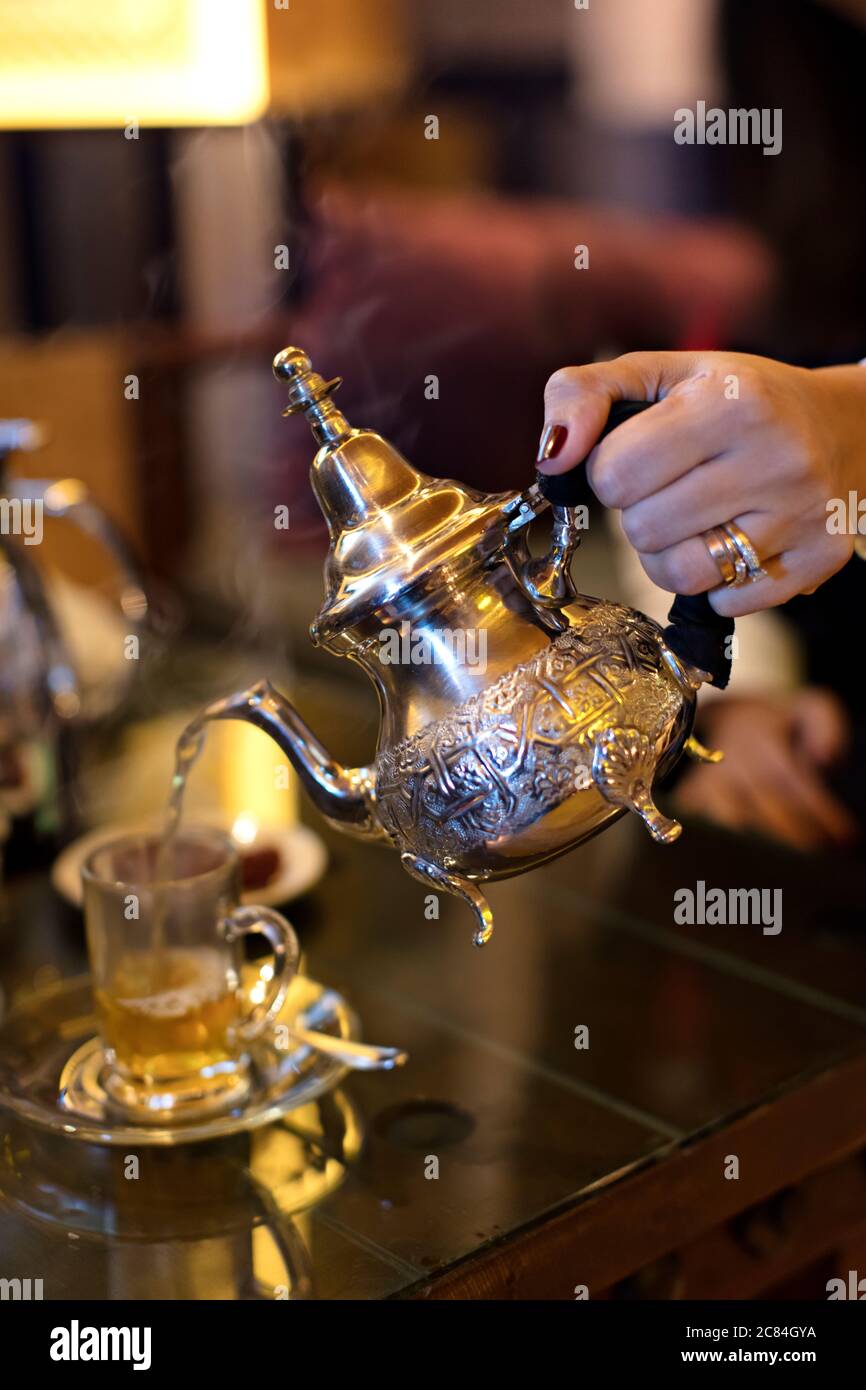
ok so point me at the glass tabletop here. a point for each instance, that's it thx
(592, 1036)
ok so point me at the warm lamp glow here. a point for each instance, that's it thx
(332, 55)
(256, 786)
(245, 829)
(113, 62)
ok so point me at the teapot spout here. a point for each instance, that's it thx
(345, 796)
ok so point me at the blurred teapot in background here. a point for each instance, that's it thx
(518, 717)
(44, 695)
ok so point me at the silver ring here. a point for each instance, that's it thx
(753, 570)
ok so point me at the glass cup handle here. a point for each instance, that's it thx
(243, 921)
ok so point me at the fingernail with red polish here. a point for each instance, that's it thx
(552, 439)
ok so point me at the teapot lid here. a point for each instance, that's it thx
(391, 527)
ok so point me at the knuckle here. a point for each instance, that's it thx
(803, 460)
(838, 553)
(673, 571)
(635, 360)
(564, 382)
(739, 603)
(682, 573)
(704, 385)
(608, 487)
(639, 529)
(727, 603)
(756, 393)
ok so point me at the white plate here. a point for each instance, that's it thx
(303, 858)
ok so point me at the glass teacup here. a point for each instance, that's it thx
(163, 934)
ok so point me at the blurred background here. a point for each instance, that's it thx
(401, 187)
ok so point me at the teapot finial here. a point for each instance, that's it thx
(310, 394)
(392, 528)
(290, 362)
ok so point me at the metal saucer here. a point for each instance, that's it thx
(51, 1063)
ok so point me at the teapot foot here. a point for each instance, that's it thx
(457, 885)
(662, 828)
(700, 754)
(623, 767)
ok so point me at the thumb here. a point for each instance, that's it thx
(577, 400)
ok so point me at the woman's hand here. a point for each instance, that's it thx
(732, 438)
(771, 777)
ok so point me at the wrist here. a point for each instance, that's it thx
(844, 396)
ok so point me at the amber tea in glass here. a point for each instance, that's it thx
(163, 927)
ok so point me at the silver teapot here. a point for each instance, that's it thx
(518, 716)
(43, 701)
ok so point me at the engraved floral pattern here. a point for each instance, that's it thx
(526, 744)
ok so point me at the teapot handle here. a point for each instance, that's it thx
(698, 635)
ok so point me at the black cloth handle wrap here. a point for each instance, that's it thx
(695, 632)
(701, 637)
